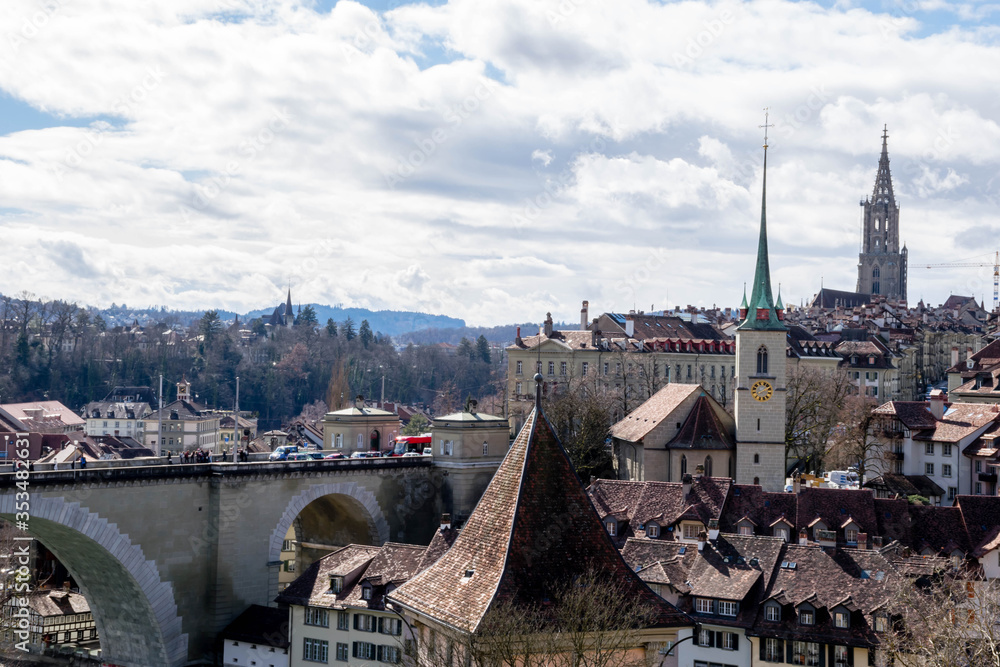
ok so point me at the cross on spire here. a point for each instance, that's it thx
(766, 125)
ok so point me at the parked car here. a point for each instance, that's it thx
(315, 456)
(411, 454)
(428, 451)
(365, 455)
(299, 456)
(335, 455)
(282, 453)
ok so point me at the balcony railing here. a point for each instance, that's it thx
(990, 477)
(896, 455)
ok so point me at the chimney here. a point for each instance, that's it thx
(796, 484)
(936, 403)
(629, 326)
(547, 327)
(686, 485)
(954, 356)
(584, 316)
(701, 541)
(803, 537)
(359, 402)
(876, 541)
(862, 540)
(713, 529)
(595, 335)
(517, 338)
(445, 522)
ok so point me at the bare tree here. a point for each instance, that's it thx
(853, 440)
(814, 402)
(942, 622)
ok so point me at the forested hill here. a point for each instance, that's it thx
(386, 322)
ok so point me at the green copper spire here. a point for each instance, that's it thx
(761, 298)
(743, 306)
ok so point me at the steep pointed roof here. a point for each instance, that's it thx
(883, 179)
(533, 531)
(761, 297)
(289, 313)
(703, 429)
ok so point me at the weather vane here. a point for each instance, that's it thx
(765, 125)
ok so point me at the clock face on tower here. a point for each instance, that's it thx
(761, 390)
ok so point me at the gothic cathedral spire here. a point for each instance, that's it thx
(882, 263)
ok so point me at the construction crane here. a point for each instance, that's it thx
(996, 273)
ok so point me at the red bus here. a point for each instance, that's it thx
(411, 443)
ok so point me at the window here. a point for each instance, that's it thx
(585, 367)
(746, 530)
(708, 466)
(606, 365)
(840, 658)
(486, 449)
(773, 650)
(706, 637)
(851, 535)
(979, 488)
(727, 608)
(691, 530)
(782, 532)
(552, 368)
(364, 623)
(618, 369)
(730, 641)
(366, 592)
(341, 652)
(518, 389)
(762, 360)
(703, 605)
(315, 650)
(979, 466)
(928, 468)
(336, 584)
(952, 492)
(684, 465)
(315, 616)
(946, 449)
(756, 459)
(389, 654)
(806, 617)
(772, 612)
(881, 624)
(361, 443)
(652, 530)
(612, 528)
(447, 447)
(805, 653)
(363, 650)
(946, 470)
(929, 448)
(842, 619)
(343, 620)
(390, 626)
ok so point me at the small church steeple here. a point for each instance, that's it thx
(762, 314)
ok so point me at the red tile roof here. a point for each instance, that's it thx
(533, 530)
(703, 429)
(655, 409)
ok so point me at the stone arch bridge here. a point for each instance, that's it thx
(168, 555)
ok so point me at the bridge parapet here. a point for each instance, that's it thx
(189, 470)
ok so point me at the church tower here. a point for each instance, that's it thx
(882, 264)
(760, 369)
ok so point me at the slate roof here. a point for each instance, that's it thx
(440, 543)
(636, 503)
(905, 485)
(834, 507)
(394, 564)
(960, 421)
(915, 415)
(577, 340)
(761, 507)
(53, 416)
(703, 429)
(638, 423)
(260, 625)
(982, 518)
(666, 326)
(831, 298)
(986, 359)
(531, 532)
(57, 603)
(826, 579)
(312, 588)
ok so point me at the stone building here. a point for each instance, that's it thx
(882, 264)
(359, 428)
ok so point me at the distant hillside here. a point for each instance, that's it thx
(388, 322)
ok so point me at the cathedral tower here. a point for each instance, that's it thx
(760, 374)
(882, 264)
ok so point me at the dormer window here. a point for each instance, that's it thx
(727, 608)
(336, 584)
(366, 592)
(652, 530)
(881, 623)
(782, 532)
(851, 535)
(841, 619)
(871, 360)
(612, 527)
(807, 617)
(772, 612)
(703, 606)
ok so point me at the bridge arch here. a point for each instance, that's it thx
(344, 495)
(133, 607)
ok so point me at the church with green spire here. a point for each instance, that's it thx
(760, 373)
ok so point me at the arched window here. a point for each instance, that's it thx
(876, 273)
(756, 458)
(708, 466)
(756, 480)
(684, 465)
(762, 360)
(877, 224)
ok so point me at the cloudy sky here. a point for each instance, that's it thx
(486, 159)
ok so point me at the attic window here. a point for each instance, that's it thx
(336, 584)
(612, 528)
(366, 592)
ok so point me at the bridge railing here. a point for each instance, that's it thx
(158, 468)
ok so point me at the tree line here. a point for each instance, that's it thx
(57, 350)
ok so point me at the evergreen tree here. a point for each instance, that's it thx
(465, 349)
(365, 333)
(331, 328)
(348, 328)
(483, 349)
(210, 326)
(307, 317)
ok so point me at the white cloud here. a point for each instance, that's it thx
(492, 159)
